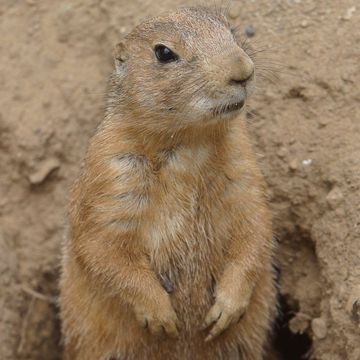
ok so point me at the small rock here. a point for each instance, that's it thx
(44, 169)
(349, 13)
(323, 121)
(282, 152)
(304, 24)
(293, 165)
(250, 31)
(234, 11)
(307, 162)
(319, 328)
(334, 197)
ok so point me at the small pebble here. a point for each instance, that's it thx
(349, 13)
(282, 152)
(250, 31)
(323, 121)
(307, 162)
(44, 169)
(304, 24)
(234, 11)
(319, 328)
(334, 197)
(293, 164)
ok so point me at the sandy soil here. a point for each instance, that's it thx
(55, 59)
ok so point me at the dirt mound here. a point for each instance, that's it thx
(56, 57)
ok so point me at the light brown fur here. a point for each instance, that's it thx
(170, 243)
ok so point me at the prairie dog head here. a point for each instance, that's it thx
(182, 69)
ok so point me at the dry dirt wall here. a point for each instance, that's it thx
(55, 59)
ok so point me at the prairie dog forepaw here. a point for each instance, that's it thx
(159, 320)
(225, 312)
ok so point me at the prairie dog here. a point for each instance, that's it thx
(170, 243)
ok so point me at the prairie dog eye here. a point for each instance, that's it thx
(164, 54)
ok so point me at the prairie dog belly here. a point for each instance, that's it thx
(187, 262)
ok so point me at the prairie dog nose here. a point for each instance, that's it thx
(241, 68)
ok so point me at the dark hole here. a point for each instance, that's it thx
(290, 346)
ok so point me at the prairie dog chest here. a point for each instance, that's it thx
(177, 223)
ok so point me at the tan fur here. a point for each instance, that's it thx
(170, 243)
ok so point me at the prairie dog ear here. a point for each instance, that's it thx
(120, 57)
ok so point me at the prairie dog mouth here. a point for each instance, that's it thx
(228, 108)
